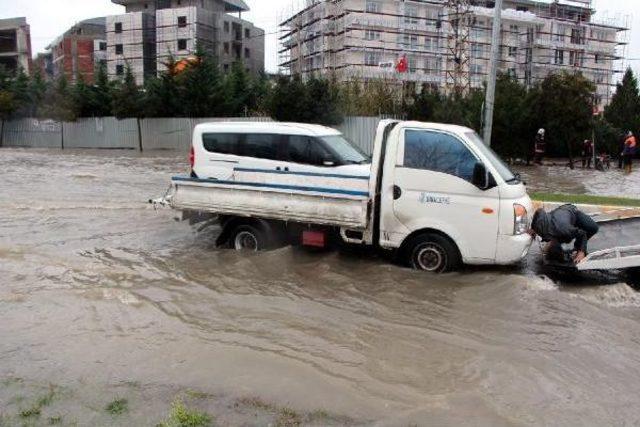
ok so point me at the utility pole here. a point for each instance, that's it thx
(493, 72)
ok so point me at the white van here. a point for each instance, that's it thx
(432, 193)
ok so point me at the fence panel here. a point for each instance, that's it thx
(361, 131)
(176, 133)
(102, 132)
(32, 133)
(166, 134)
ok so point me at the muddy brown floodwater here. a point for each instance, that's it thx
(103, 297)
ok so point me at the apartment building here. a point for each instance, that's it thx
(15, 44)
(79, 51)
(151, 32)
(447, 43)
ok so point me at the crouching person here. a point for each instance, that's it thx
(565, 224)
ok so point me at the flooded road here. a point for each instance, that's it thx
(102, 296)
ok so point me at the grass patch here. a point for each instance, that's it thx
(255, 403)
(585, 199)
(35, 410)
(118, 407)
(181, 416)
(55, 420)
(288, 418)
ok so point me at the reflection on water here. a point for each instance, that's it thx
(97, 287)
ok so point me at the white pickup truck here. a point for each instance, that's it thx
(434, 194)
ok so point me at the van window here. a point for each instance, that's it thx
(346, 152)
(222, 143)
(306, 150)
(438, 152)
(262, 146)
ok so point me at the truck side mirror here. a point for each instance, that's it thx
(481, 176)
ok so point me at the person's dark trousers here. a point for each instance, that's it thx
(586, 223)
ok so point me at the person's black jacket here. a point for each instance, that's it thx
(560, 225)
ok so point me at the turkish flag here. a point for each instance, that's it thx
(403, 65)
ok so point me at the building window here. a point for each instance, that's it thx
(410, 41)
(598, 58)
(182, 21)
(411, 15)
(513, 51)
(119, 70)
(182, 44)
(514, 29)
(577, 36)
(103, 46)
(372, 58)
(372, 7)
(226, 48)
(119, 49)
(247, 52)
(559, 57)
(118, 27)
(371, 35)
(247, 33)
(226, 26)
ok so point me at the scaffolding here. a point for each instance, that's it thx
(447, 41)
(460, 20)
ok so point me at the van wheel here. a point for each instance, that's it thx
(248, 238)
(433, 253)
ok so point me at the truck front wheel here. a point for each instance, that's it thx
(432, 252)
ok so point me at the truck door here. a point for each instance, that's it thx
(431, 188)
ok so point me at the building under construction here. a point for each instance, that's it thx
(447, 43)
(152, 32)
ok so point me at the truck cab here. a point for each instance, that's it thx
(446, 198)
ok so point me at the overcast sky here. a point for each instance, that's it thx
(50, 18)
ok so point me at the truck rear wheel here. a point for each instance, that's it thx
(433, 253)
(248, 238)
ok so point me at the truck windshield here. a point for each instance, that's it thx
(504, 171)
(346, 151)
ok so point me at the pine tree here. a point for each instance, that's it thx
(238, 89)
(201, 89)
(127, 101)
(103, 93)
(59, 102)
(624, 110)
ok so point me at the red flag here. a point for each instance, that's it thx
(403, 65)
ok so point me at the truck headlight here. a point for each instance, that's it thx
(520, 220)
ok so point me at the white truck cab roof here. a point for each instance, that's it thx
(266, 127)
(437, 126)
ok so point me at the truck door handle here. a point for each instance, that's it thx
(286, 169)
(278, 168)
(397, 192)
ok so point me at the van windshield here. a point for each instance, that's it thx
(504, 171)
(346, 151)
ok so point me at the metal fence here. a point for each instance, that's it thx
(32, 133)
(143, 134)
